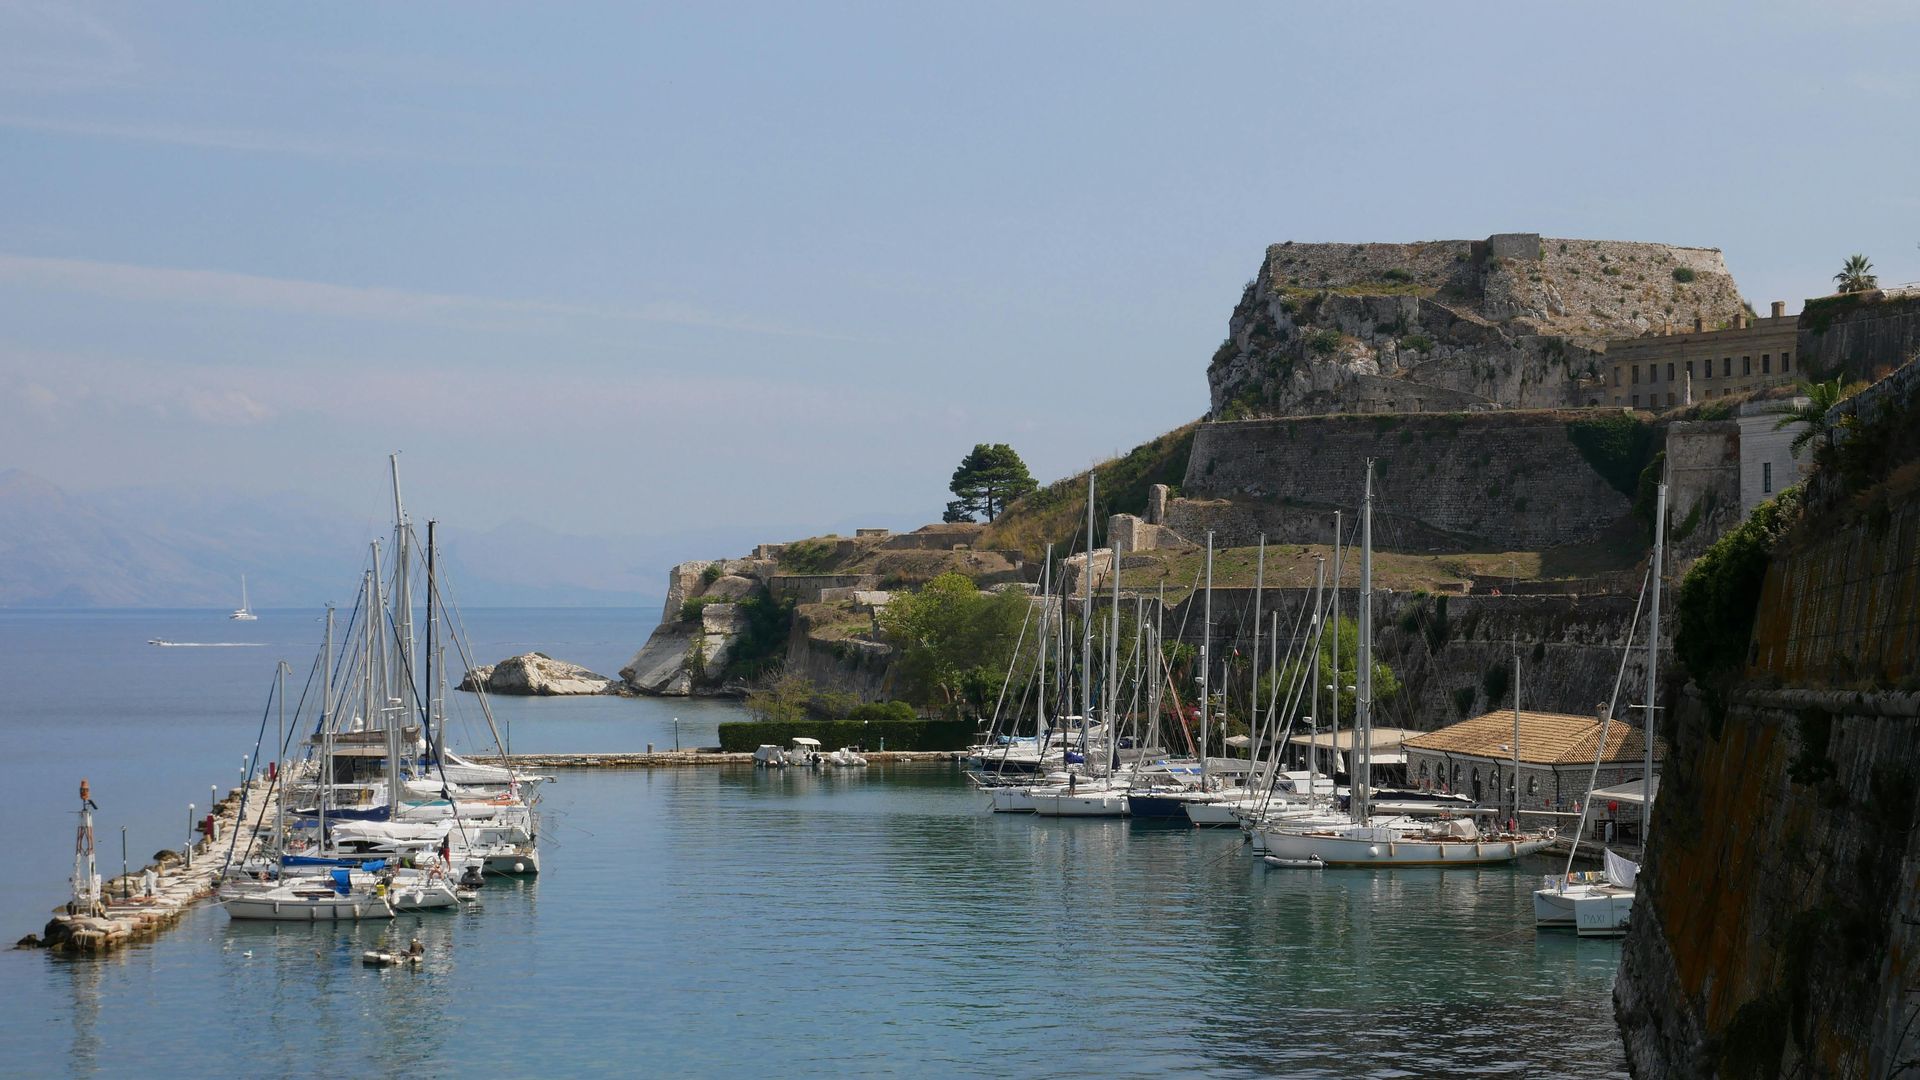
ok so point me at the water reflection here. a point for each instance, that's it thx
(705, 920)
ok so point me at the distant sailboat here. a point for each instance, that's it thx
(243, 613)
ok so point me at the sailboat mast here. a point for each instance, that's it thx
(1364, 706)
(1253, 684)
(1113, 665)
(280, 765)
(433, 689)
(1206, 646)
(402, 598)
(1313, 636)
(1086, 626)
(326, 719)
(1338, 580)
(1653, 660)
(1516, 740)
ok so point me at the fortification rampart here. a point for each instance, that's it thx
(1450, 482)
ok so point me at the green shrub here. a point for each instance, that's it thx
(1397, 274)
(1494, 681)
(880, 712)
(1682, 275)
(1463, 701)
(691, 607)
(712, 573)
(1721, 591)
(808, 556)
(1324, 342)
(916, 734)
(1419, 343)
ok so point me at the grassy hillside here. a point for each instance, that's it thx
(1057, 513)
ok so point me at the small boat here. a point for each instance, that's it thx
(845, 758)
(769, 756)
(243, 613)
(331, 899)
(1591, 904)
(1311, 862)
(414, 954)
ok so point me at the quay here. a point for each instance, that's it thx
(140, 904)
(649, 759)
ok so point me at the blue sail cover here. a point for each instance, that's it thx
(343, 881)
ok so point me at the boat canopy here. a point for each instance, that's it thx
(1629, 792)
(802, 741)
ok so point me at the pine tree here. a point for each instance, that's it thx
(987, 480)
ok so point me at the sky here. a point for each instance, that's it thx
(628, 268)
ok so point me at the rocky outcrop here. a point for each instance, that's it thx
(701, 627)
(1513, 321)
(537, 675)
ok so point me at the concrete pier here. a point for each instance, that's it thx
(129, 913)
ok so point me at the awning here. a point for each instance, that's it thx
(1628, 792)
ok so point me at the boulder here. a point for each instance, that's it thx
(537, 674)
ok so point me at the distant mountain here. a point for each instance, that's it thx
(167, 547)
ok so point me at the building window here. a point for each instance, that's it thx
(1670, 397)
(1423, 770)
(1636, 401)
(1746, 365)
(1616, 376)
(1726, 368)
(1784, 367)
(1689, 369)
(1636, 373)
(1669, 371)
(1533, 782)
(1766, 478)
(1766, 363)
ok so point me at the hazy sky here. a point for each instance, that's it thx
(627, 268)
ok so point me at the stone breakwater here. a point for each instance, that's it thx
(130, 911)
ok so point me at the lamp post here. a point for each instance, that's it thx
(190, 809)
(676, 734)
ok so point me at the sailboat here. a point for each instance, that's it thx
(243, 613)
(1599, 905)
(1388, 840)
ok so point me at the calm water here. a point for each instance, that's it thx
(723, 921)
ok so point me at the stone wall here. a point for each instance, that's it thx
(1860, 339)
(1444, 482)
(1442, 648)
(1703, 486)
(806, 588)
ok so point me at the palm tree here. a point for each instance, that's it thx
(1821, 398)
(1855, 275)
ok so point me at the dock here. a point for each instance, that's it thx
(135, 908)
(679, 758)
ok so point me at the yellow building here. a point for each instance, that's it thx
(1660, 371)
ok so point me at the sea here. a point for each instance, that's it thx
(732, 922)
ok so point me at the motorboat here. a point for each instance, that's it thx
(845, 758)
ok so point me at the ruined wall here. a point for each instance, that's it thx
(1703, 485)
(1450, 482)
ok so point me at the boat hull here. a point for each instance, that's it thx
(1586, 910)
(1336, 850)
(268, 908)
(1110, 804)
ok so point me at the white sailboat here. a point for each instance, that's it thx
(1599, 905)
(243, 613)
(1389, 840)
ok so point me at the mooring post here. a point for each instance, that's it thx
(190, 824)
(126, 884)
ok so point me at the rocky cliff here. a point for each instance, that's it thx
(1515, 320)
(1777, 928)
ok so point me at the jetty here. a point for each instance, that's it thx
(650, 759)
(137, 906)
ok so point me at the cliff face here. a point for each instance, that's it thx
(1777, 928)
(1516, 320)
